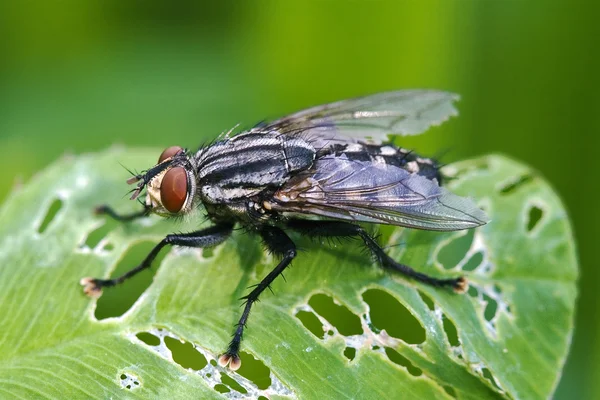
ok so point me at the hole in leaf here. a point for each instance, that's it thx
(450, 390)
(534, 217)
(311, 322)
(451, 331)
(487, 374)
(229, 381)
(208, 252)
(219, 387)
(330, 333)
(515, 184)
(185, 354)
(54, 208)
(375, 347)
(129, 381)
(95, 236)
(490, 308)
(474, 262)
(388, 313)
(115, 301)
(213, 363)
(262, 398)
(399, 359)
(350, 353)
(255, 370)
(148, 338)
(344, 320)
(108, 247)
(472, 291)
(454, 251)
(427, 300)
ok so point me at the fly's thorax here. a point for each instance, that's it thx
(246, 165)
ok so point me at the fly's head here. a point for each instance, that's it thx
(170, 185)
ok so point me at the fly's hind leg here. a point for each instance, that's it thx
(346, 229)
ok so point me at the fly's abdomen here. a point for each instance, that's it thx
(247, 164)
(391, 155)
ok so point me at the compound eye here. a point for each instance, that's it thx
(173, 189)
(169, 152)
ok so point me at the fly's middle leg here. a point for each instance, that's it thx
(346, 229)
(279, 244)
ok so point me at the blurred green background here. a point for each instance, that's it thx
(78, 76)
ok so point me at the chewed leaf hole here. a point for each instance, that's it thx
(450, 390)
(148, 338)
(388, 313)
(255, 370)
(95, 236)
(115, 301)
(129, 381)
(533, 217)
(350, 353)
(399, 359)
(344, 320)
(427, 300)
(453, 252)
(451, 331)
(229, 381)
(473, 292)
(474, 262)
(515, 184)
(53, 210)
(487, 374)
(490, 308)
(185, 354)
(208, 252)
(221, 388)
(311, 322)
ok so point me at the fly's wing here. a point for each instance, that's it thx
(379, 193)
(370, 118)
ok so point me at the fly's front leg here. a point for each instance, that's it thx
(279, 244)
(205, 238)
(346, 229)
(107, 210)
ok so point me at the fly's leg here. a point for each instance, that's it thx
(107, 210)
(279, 244)
(345, 229)
(205, 238)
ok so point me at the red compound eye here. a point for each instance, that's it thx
(168, 153)
(173, 189)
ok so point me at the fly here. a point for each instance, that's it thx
(330, 162)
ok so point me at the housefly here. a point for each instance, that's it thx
(318, 172)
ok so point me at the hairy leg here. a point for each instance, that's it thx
(279, 244)
(205, 238)
(346, 229)
(107, 210)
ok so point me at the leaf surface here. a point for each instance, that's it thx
(372, 335)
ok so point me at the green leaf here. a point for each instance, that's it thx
(338, 327)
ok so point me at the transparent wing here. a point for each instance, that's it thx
(379, 193)
(372, 118)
